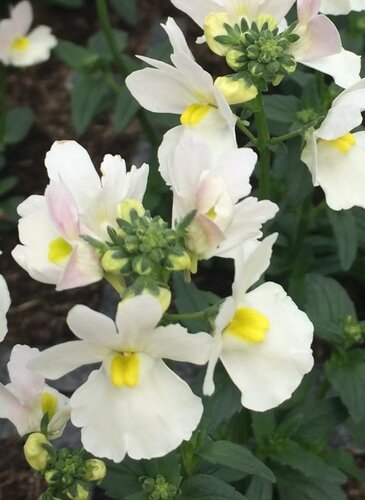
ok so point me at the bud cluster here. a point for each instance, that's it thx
(259, 54)
(66, 472)
(159, 488)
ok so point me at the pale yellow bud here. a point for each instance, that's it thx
(112, 264)
(164, 298)
(232, 57)
(126, 206)
(82, 493)
(35, 454)
(95, 470)
(214, 26)
(235, 91)
(266, 18)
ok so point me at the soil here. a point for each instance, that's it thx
(38, 312)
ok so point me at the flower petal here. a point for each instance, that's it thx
(199, 10)
(29, 385)
(4, 306)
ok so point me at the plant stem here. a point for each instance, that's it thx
(240, 124)
(262, 144)
(295, 133)
(107, 29)
(193, 315)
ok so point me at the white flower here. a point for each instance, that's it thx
(336, 156)
(17, 46)
(184, 88)
(26, 399)
(338, 7)
(217, 188)
(319, 47)
(76, 202)
(4, 306)
(261, 337)
(134, 403)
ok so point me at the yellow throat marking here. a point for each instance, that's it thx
(343, 144)
(249, 325)
(194, 114)
(124, 370)
(20, 44)
(58, 250)
(49, 404)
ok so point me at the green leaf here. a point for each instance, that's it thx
(123, 479)
(206, 487)
(69, 4)
(281, 108)
(295, 456)
(127, 9)
(344, 229)
(168, 466)
(87, 97)
(328, 305)
(356, 430)
(75, 55)
(236, 457)
(126, 108)
(259, 489)
(99, 44)
(263, 426)
(344, 461)
(7, 184)
(346, 375)
(18, 122)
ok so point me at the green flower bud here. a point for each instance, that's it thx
(178, 261)
(129, 209)
(82, 493)
(232, 59)
(142, 265)
(131, 244)
(111, 263)
(95, 470)
(35, 453)
(51, 477)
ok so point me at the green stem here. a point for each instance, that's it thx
(240, 124)
(262, 144)
(295, 133)
(193, 315)
(107, 29)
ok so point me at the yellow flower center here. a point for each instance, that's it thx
(124, 370)
(21, 43)
(249, 325)
(212, 214)
(49, 404)
(195, 113)
(58, 250)
(343, 144)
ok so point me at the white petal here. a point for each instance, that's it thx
(58, 360)
(29, 385)
(176, 37)
(343, 67)
(200, 9)
(83, 268)
(22, 17)
(4, 306)
(339, 7)
(93, 326)
(11, 409)
(236, 167)
(277, 8)
(145, 421)
(268, 373)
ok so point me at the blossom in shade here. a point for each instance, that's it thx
(4, 306)
(335, 155)
(217, 187)
(76, 203)
(18, 45)
(261, 337)
(27, 397)
(133, 404)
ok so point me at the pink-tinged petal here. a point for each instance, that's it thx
(63, 209)
(176, 37)
(58, 360)
(204, 236)
(319, 39)
(83, 268)
(29, 385)
(343, 67)
(209, 191)
(22, 18)
(307, 9)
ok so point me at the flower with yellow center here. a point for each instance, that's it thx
(335, 155)
(26, 399)
(134, 396)
(18, 46)
(261, 337)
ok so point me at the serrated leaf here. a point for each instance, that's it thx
(127, 9)
(296, 457)
(259, 489)
(87, 96)
(18, 122)
(125, 109)
(236, 457)
(75, 55)
(204, 487)
(344, 229)
(347, 377)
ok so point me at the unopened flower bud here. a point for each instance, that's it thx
(127, 207)
(95, 470)
(232, 59)
(164, 298)
(131, 244)
(34, 451)
(178, 261)
(82, 493)
(235, 91)
(50, 477)
(111, 263)
(142, 265)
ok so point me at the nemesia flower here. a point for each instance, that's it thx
(27, 397)
(186, 89)
(338, 7)
(76, 202)
(133, 403)
(217, 188)
(4, 306)
(320, 44)
(18, 46)
(261, 337)
(335, 156)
